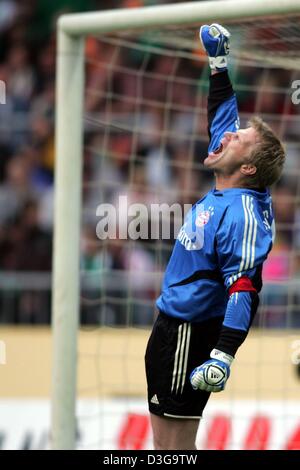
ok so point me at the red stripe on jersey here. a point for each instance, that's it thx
(242, 284)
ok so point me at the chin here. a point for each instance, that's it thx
(211, 162)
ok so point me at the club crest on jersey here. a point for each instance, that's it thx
(202, 219)
(191, 234)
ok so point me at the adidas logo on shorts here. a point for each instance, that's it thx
(154, 400)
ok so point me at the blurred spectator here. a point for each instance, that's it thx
(276, 274)
(9, 12)
(24, 245)
(16, 187)
(21, 76)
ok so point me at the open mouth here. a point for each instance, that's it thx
(217, 152)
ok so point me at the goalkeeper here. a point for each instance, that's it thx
(210, 290)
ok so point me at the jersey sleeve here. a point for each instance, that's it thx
(243, 244)
(222, 109)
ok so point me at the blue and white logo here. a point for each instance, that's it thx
(191, 234)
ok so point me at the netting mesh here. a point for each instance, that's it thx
(145, 141)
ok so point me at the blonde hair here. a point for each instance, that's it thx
(268, 156)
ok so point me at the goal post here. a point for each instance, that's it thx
(177, 14)
(70, 82)
(72, 30)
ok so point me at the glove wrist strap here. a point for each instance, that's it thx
(221, 356)
(218, 63)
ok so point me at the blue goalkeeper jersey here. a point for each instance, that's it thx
(226, 236)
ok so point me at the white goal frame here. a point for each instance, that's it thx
(72, 30)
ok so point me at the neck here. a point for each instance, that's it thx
(227, 182)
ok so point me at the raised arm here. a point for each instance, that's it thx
(222, 105)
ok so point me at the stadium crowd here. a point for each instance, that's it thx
(162, 169)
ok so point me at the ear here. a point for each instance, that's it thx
(248, 169)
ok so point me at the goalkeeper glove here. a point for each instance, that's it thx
(213, 374)
(215, 41)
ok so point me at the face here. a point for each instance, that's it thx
(233, 152)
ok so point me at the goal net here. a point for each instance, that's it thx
(145, 139)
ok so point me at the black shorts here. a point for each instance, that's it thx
(174, 349)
